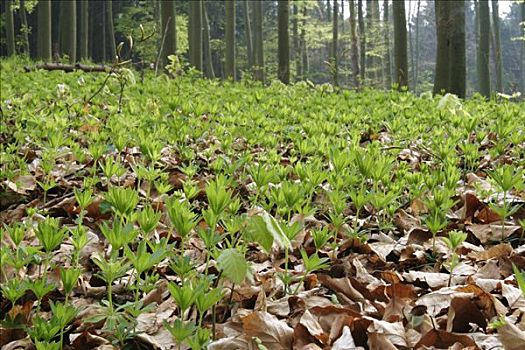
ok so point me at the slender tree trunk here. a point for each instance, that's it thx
(335, 38)
(484, 47)
(354, 52)
(304, 47)
(110, 30)
(478, 49)
(362, 39)
(386, 31)
(283, 41)
(370, 68)
(442, 24)
(69, 29)
(168, 30)
(24, 28)
(377, 59)
(400, 43)
(258, 41)
(342, 16)
(296, 47)
(230, 39)
(195, 44)
(44, 30)
(522, 54)
(10, 28)
(330, 21)
(497, 47)
(248, 32)
(411, 43)
(103, 40)
(208, 65)
(416, 66)
(84, 29)
(457, 56)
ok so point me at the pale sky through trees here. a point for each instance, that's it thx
(504, 7)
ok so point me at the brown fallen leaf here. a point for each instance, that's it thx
(502, 250)
(462, 313)
(273, 333)
(511, 337)
(442, 339)
(313, 327)
(492, 232)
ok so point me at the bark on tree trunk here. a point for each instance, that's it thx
(484, 47)
(69, 30)
(283, 41)
(258, 41)
(304, 46)
(110, 30)
(362, 39)
(400, 43)
(416, 66)
(84, 29)
(442, 19)
(497, 47)
(296, 45)
(335, 38)
(354, 52)
(24, 28)
(229, 68)
(44, 30)
(386, 31)
(10, 28)
(248, 32)
(208, 64)
(457, 59)
(168, 31)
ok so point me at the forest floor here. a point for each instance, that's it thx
(197, 213)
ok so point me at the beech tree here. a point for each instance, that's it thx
(283, 49)
(258, 48)
(44, 30)
(497, 46)
(230, 39)
(68, 28)
(168, 29)
(195, 34)
(400, 43)
(484, 48)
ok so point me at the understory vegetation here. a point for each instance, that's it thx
(221, 215)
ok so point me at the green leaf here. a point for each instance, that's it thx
(233, 265)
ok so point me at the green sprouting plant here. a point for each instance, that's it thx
(40, 287)
(181, 331)
(110, 271)
(190, 189)
(50, 235)
(506, 177)
(520, 278)
(181, 217)
(311, 263)
(142, 260)
(148, 219)
(119, 234)
(321, 237)
(111, 168)
(453, 241)
(219, 198)
(122, 200)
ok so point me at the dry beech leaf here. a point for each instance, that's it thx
(502, 250)
(511, 337)
(274, 333)
(493, 232)
(345, 341)
(443, 340)
(313, 327)
(462, 313)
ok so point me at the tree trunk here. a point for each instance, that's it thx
(362, 39)
(24, 28)
(484, 47)
(522, 54)
(283, 41)
(497, 47)
(335, 38)
(69, 29)
(44, 30)
(378, 71)
(400, 43)
(168, 30)
(110, 30)
(354, 52)
(304, 47)
(296, 45)
(410, 44)
(416, 65)
(208, 64)
(248, 32)
(195, 31)
(230, 40)
(442, 24)
(84, 29)
(104, 36)
(258, 41)
(386, 31)
(10, 28)
(457, 57)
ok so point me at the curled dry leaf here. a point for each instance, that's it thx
(511, 337)
(273, 333)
